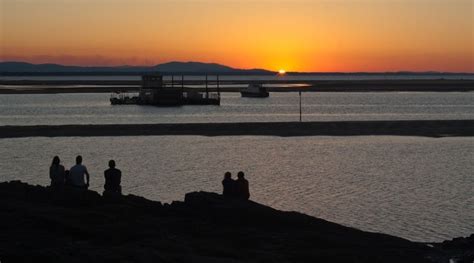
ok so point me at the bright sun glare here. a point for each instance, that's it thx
(281, 71)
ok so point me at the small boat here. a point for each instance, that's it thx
(123, 99)
(255, 90)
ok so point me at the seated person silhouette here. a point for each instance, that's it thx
(113, 177)
(77, 174)
(228, 185)
(242, 186)
(56, 173)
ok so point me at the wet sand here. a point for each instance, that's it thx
(426, 128)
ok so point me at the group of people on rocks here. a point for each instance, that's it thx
(238, 189)
(78, 176)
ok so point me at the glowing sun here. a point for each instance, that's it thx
(282, 72)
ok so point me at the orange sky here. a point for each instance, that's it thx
(296, 35)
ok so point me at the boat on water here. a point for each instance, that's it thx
(119, 98)
(255, 90)
(154, 92)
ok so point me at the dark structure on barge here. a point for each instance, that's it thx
(154, 91)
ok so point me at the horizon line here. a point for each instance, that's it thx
(233, 68)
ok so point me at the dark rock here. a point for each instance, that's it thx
(39, 224)
(461, 249)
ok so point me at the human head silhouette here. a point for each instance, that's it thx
(227, 175)
(240, 175)
(78, 159)
(56, 160)
(112, 164)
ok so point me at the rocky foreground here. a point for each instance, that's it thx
(40, 225)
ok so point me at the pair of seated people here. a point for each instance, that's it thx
(77, 176)
(238, 189)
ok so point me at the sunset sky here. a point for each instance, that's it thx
(296, 35)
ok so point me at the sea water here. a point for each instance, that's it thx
(56, 109)
(414, 187)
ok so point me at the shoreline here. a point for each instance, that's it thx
(424, 128)
(108, 86)
(76, 226)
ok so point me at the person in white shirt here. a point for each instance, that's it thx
(77, 174)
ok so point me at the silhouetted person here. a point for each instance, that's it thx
(113, 178)
(242, 186)
(77, 174)
(56, 173)
(228, 185)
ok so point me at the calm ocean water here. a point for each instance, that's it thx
(50, 109)
(414, 187)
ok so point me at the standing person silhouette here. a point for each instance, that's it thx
(77, 173)
(56, 173)
(113, 177)
(228, 185)
(242, 186)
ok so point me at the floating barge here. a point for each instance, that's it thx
(154, 91)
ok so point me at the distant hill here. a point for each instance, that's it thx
(15, 68)
(171, 67)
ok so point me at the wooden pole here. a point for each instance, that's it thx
(207, 92)
(218, 88)
(300, 108)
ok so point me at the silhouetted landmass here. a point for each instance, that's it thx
(16, 68)
(23, 68)
(39, 225)
(428, 128)
(387, 73)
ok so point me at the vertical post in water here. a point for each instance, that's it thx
(207, 92)
(300, 106)
(218, 88)
(172, 81)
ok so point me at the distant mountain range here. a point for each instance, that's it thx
(24, 68)
(171, 67)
